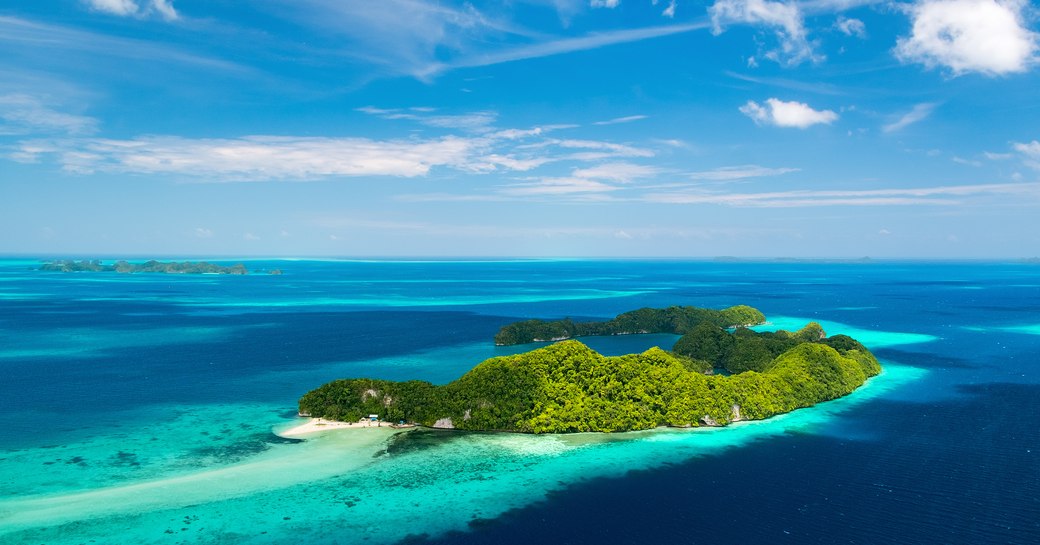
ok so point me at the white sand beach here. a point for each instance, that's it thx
(315, 425)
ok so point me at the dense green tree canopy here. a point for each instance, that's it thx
(568, 387)
(677, 320)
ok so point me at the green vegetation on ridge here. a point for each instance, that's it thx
(676, 320)
(568, 387)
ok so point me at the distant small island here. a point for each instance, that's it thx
(152, 266)
(675, 320)
(568, 387)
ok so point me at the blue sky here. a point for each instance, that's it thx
(570, 128)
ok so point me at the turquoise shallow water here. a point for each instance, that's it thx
(138, 411)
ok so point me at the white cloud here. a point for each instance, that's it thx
(135, 8)
(473, 121)
(997, 156)
(122, 8)
(165, 9)
(617, 172)
(604, 3)
(557, 46)
(884, 232)
(784, 18)
(918, 113)
(722, 174)
(985, 36)
(557, 186)
(967, 162)
(202, 232)
(851, 27)
(260, 157)
(934, 196)
(787, 114)
(1031, 151)
(26, 114)
(95, 47)
(263, 158)
(616, 120)
(250, 236)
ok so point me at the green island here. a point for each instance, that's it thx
(711, 377)
(152, 266)
(675, 320)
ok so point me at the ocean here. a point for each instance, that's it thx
(145, 408)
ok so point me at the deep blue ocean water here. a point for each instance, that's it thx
(141, 408)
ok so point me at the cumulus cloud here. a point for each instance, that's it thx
(784, 18)
(851, 27)
(604, 3)
(135, 8)
(202, 232)
(787, 114)
(918, 113)
(985, 36)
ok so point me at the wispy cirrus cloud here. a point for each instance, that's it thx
(27, 114)
(473, 121)
(602, 178)
(426, 39)
(919, 112)
(618, 120)
(57, 43)
(471, 145)
(931, 196)
(742, 172)
(548, 47)
(256, 158)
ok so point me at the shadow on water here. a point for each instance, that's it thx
(966, 471)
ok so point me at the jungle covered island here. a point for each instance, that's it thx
(675, 320)
(171, 267)
(568, 387)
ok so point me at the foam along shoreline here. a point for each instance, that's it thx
(315, 425)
